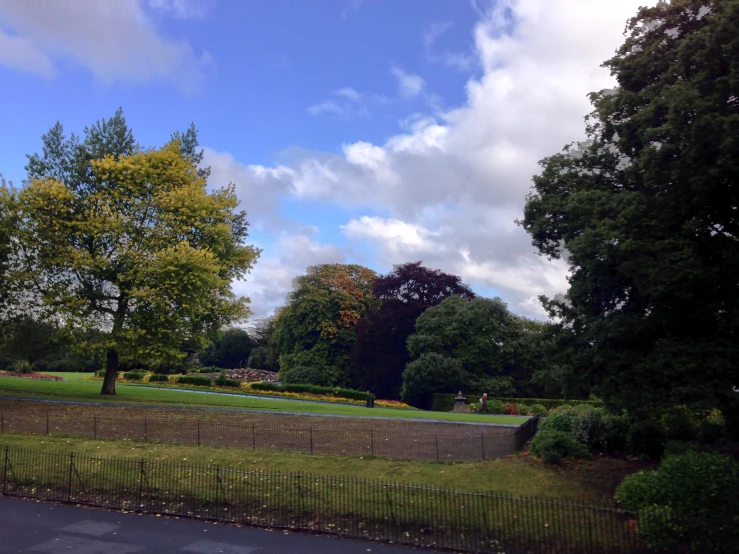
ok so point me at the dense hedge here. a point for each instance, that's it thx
(338, 392)
(222, 381)
(445, 402)
(133, 376)
(158, 378)
(199, 380)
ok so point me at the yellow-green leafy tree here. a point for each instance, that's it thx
(131, 242)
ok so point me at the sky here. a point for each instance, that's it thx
(375, 132)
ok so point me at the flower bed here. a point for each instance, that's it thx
(396, 404)
(31, 376)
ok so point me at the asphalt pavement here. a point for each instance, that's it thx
(29, 526)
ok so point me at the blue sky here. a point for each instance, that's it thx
(368, 131)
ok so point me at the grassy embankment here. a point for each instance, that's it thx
(74, 387)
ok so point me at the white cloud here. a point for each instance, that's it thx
(327, 107)
(116, 41)
(434, 31)
(409, 85)
(449, 188)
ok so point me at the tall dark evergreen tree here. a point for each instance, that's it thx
(647, 215)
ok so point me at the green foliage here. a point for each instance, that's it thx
(316, 327)
(23, 366)
(444, 402)
(479, 332)
(111, 230)
(429, 374)
(645, 438)
(552, 446)
(691, 497)
(158, 378)
(209, 369)
(199, 380)
(133, 376)
(303, 375)
(230, 350)
(334, 391)
(645, 213)
(223, 381)
(379, 353)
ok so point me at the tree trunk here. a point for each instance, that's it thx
(111, 372)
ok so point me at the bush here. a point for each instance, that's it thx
(595, 430)
(559, 421)
(510, 409)
(23, 366)
(158, 378)
(133, 376)
(334, 391)
(645, 439)
(429, 373)
(495, 406)
(304, 375)
(198, 380)
(209, 369)
(692, 497)
(222, 381)
(444, 402)
(537, 410)
(552, 446)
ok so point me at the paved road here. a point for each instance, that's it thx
(27, 526)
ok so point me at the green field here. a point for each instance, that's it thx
(74, 387)
(515, 475)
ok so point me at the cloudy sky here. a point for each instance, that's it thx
(356, 131)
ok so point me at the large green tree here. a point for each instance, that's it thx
(478, 332)
(316, 328)
(230, 349)
(647, 215)
(379, 354)
(130, 242)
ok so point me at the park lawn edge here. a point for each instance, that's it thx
(41, 389)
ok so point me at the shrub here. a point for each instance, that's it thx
(133, 376)
(495, 406)
(222, 381)
(209, 369)
(552, 445)
(198, 380)
(559, 421)
(511, 409)
(537, 410)
(645, 439)
(158, 378)
(691, 497)
(306, 375)
(681, 424)
(594, 429)
(23, 366)
(334, 391)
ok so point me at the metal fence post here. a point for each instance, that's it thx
(47, 423)
(5, 471)
(95, 426)
(145, 431)
(198, 432)
(253, 437)
(437, 446)
(69, 477)
(372, 442)
(141, 484)
(311, 440)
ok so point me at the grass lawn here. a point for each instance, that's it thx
(74, 387)
(517, 475)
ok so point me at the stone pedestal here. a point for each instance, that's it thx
(460, 404)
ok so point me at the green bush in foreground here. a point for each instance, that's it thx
(692, 497)
(552, 446)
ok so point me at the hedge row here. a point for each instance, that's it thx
(134, 376)
(198, 380)
(314, 389)
(444, 402)
(158, 378)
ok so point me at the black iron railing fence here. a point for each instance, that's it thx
(495, 443)
(376, 510)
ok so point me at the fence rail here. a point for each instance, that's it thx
(357, 508)
(265, 437)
